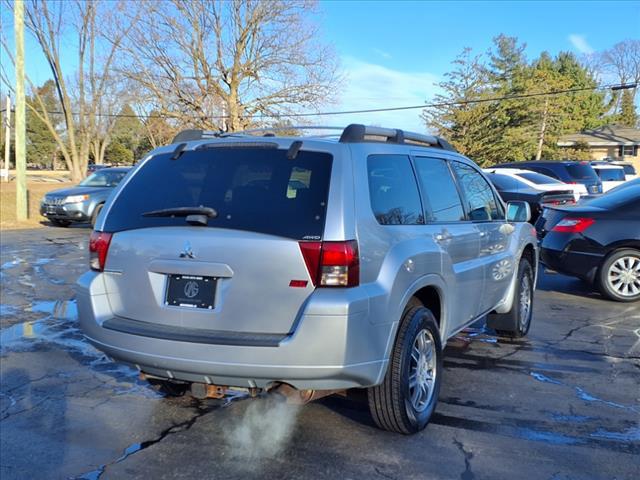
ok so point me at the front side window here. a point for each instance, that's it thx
(393, 190)
(480, 201)
(439, 192)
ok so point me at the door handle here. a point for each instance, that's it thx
(483, 234)
(507, 229)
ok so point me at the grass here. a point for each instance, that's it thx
(36, 190)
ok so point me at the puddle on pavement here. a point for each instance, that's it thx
(59, 328)
(630, 435)
(583, 394)
(13, 263)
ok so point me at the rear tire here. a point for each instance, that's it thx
(619, 276)
(96, 212)
(516, 322)
(407, 397)
(60, 223)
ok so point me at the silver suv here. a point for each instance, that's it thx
(307, 265)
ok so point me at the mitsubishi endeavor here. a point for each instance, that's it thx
(307, 265)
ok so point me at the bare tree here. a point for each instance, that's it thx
(202, 60)
(623, 61)
(94, 29)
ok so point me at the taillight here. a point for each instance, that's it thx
(573, 225)
(332, 264)
(98, 248)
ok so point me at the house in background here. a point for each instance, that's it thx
(611, 142)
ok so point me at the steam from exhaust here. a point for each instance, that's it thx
(264, 429)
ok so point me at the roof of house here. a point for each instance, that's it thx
(607, 135)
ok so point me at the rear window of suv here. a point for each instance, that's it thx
(580, 171)
(250, 188)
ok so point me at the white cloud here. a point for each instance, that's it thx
(371, 86)
(580, 43)
(382, 53)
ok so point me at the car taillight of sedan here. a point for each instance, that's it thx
(573, 225)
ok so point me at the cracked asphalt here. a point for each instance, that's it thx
(563, 403)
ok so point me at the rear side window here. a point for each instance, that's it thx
(439, 191)
(538, 178)
(253, 189)
(629, 169)
(481, 202)
(611, 174)
(505, 182)
(581, 171)
(544, 171)
(393, 190)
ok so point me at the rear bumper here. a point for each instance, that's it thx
(576, 264)
(324, 352)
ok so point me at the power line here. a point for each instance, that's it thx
(613, 87)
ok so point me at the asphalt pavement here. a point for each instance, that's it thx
(563, 403)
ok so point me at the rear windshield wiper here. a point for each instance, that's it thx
(195, 215)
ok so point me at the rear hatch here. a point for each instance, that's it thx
(241, 271)
(583, 172)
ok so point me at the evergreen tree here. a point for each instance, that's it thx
(41, 145)
(527, 123)
(628, 115)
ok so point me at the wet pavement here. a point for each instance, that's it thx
(564, 403)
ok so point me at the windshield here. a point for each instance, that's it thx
(538, 178)
(611, 174)
(250, 188)
(582, 171)
(104, 178)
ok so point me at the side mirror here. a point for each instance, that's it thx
(518, 212)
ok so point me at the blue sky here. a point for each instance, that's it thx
(393, 53)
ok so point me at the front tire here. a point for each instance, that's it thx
(619, 276)
(516, 322)
(407, 397)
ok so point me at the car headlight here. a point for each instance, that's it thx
(76, 198)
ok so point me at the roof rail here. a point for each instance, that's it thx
(356, 133)
(189, 135)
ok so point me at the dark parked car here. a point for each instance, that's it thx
(598, 241)
(567, 171)
(83, 202)
(94, 167)
(512, 189)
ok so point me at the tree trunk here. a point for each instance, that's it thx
(543, 129)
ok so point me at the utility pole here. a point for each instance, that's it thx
(20, 125)
(7, 139)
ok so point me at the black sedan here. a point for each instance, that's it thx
(598, 241)
(511, 189)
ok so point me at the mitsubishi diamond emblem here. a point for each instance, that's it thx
(186, 251)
